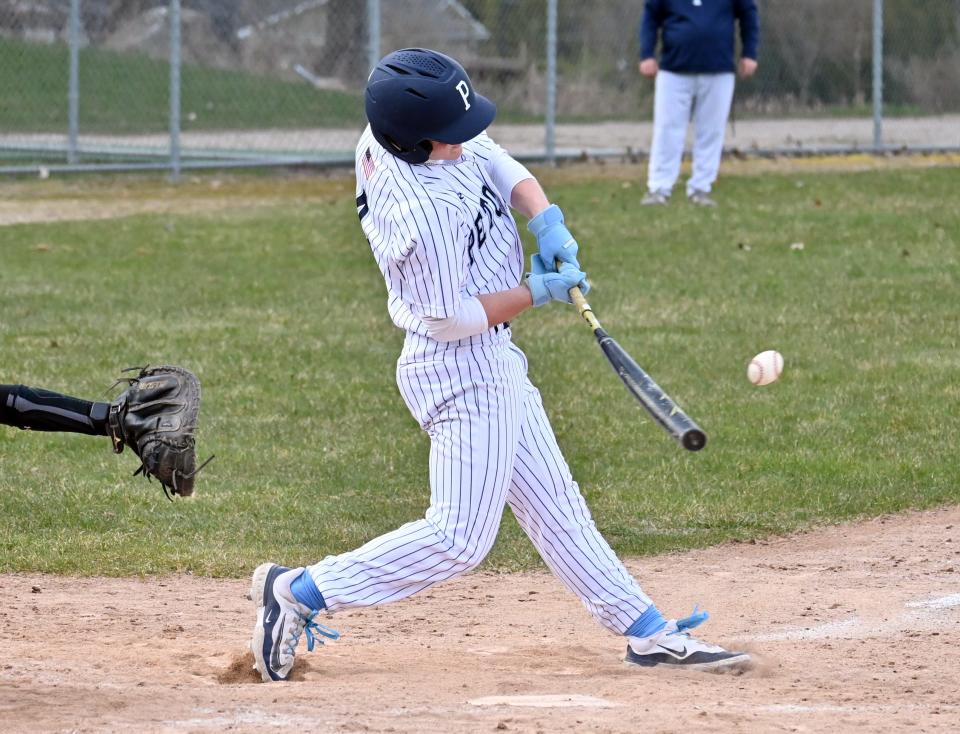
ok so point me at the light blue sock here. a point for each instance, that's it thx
(648, 623)
(305, 591)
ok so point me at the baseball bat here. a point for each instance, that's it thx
(651, 396)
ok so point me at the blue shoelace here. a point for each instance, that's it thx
(694, 620)
(316, 632)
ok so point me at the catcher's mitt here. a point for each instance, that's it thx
(156, 416)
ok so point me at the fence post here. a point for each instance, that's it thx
(550, 133)
(373, 33)
(73, 91)
(175, 90)
(877, 75)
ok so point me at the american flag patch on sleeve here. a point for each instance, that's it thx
(368, 165)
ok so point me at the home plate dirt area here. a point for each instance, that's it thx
(854, 628)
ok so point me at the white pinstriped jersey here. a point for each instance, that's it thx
(439, 232)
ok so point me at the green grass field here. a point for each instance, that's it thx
(281, 311)
(129, 93)
(123, 93)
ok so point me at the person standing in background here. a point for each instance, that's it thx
(694, 82)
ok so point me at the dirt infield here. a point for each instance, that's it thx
(855, 629)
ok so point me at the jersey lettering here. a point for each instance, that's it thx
(481, 230)
(485, 208)
(493, 198)
(489, 205)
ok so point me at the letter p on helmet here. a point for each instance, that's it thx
(464, 92)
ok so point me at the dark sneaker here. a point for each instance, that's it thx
(701, 198)
(654, 198)
(674, 647)
(281, 619)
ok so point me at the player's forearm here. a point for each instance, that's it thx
(506, 305)
(528, 198)
(476, 314)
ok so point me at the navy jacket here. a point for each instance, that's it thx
(698, 35)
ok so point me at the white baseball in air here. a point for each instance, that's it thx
(765, 367)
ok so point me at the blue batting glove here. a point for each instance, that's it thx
(553, 238)
(539, 267)
(546, 286)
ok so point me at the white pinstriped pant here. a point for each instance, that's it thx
(491, 443)
(708, 97)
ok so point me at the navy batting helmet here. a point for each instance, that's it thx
(415, 95)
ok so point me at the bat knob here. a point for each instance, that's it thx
(694, 440)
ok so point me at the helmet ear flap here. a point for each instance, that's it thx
(420, 153)
(426, 148)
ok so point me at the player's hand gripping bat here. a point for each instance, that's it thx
(657, 403)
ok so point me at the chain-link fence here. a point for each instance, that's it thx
(171, 83)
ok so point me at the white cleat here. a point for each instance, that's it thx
(281, 620)
(674, 647)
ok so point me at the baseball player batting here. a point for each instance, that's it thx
(434, 194)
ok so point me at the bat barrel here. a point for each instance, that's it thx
(651, 396)
(694, 439)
